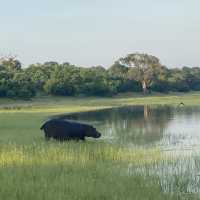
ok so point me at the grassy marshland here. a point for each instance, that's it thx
(92, 171)
(33, 169)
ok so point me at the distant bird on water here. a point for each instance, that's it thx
(181, 104)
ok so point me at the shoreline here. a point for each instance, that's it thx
(70, 105)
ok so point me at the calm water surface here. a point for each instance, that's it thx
(163, 126)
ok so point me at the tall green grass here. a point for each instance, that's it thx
(74, 152)
(78, 170)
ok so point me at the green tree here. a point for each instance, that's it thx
(177, 81)
(192, 77)
(93, 81)
(118, 70)
(38, 75)
(64, 80)
(21, 86)
(144, 68)
(11, 63)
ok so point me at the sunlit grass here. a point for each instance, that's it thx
(73, 152)
(78, 170)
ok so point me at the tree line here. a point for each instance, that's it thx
(134, 73)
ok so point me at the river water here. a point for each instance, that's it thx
(163, 126)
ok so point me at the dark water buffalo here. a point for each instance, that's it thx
(61, 129)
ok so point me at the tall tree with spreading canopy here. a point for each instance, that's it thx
(11, 63)
(144, 67)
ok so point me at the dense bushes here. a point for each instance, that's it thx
(68, 80)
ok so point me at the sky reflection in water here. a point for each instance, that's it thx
(163, 126)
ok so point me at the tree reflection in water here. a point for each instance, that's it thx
(131, 125)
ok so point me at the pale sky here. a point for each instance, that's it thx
(98, 32)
